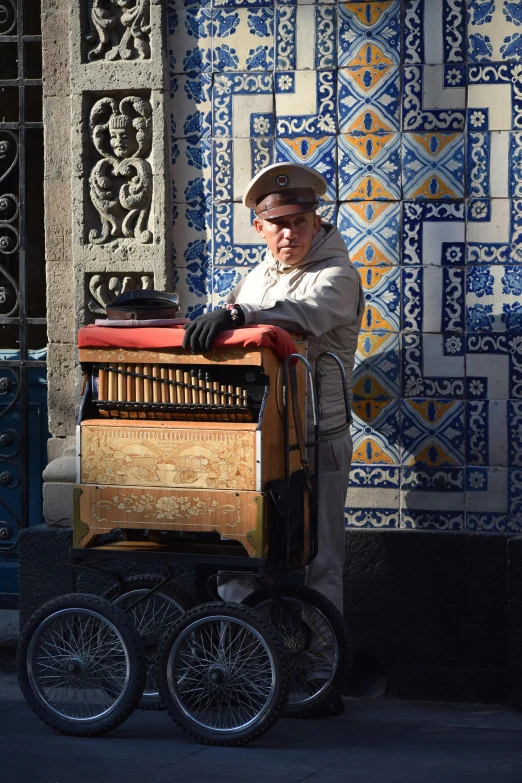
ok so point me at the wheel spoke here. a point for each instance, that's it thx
(312, 667)
(79, 666)
(223, 673)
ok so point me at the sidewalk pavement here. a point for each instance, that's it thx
(379, 741)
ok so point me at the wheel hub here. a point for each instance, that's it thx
(74, 666)
(217, 676)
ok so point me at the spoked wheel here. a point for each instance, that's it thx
(154, 618)
(81, 665)
(223, 674)
(318, 646)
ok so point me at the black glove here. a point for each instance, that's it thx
(201, 332)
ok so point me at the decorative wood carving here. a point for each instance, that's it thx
(168, 456)
(239, 516)
(172, 356)
(119, 28)
(104, 288)
(121, 182)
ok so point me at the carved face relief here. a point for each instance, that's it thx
(123, 142)
(120, 182)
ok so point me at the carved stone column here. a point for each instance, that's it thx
(106, 188)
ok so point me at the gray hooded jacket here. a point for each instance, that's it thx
(322, 297)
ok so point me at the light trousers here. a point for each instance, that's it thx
(325, 573)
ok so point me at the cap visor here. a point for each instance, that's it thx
(286, 209)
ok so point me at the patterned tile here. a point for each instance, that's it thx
(433, 165)
(420, 519)
(241, 3)
(494, 231)
(369, 33)
(190, 41)
(487, 433)
(235, 162)
(493, 500)
(382, 293)
(190, 106)
(368, 99)
(242, 104)
(438, 370)
(433, 233)
(494, 365)
(494, 30)
(328, 211)
(373, 498)
(188, 4)
(376, 371)
(191, 244)
(371, 517)
(434, 31)
(486, 374)
(194, 287)
(223, 283)
(305, 37)
(369, 167)
(495, 96)
(243, 39)
(305, 103)
(432, 433)
(375, 431)
(433, 299)
(370, 230)
(191, 169)
(374, 477)
(433, 98)
(430, 480)
(433, 364)
(514, 416)
(235, 239)
(494, 164)
(318, 152)
(494, 298)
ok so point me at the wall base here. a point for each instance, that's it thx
(434, 615)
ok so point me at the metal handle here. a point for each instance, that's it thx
(301, 439)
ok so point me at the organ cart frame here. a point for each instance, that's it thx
(294, 501)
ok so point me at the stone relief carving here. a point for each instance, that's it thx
(119, 28)
(121, 182)
(104, 288)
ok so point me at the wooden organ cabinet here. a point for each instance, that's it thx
(178, 450)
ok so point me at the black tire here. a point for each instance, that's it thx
(78, 645)
(223, 674)
(320, 665)
(153, 618)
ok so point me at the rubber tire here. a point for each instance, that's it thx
(344, 641)
(271, 639)
(171, 591)
(135, 652)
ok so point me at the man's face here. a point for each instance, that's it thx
(289, 238)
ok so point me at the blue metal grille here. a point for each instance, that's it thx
(23, 410)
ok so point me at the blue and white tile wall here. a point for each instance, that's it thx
(412, 110)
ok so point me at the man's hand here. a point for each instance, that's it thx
(201, 332)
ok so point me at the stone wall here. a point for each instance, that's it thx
(107, 192)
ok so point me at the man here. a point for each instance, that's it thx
(305, 284)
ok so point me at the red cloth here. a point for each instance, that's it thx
(159, 337)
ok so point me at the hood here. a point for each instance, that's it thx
(327, 243)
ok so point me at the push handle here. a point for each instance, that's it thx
(340, 367)
(289, 374)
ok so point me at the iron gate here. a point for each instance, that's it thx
(23, 337)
